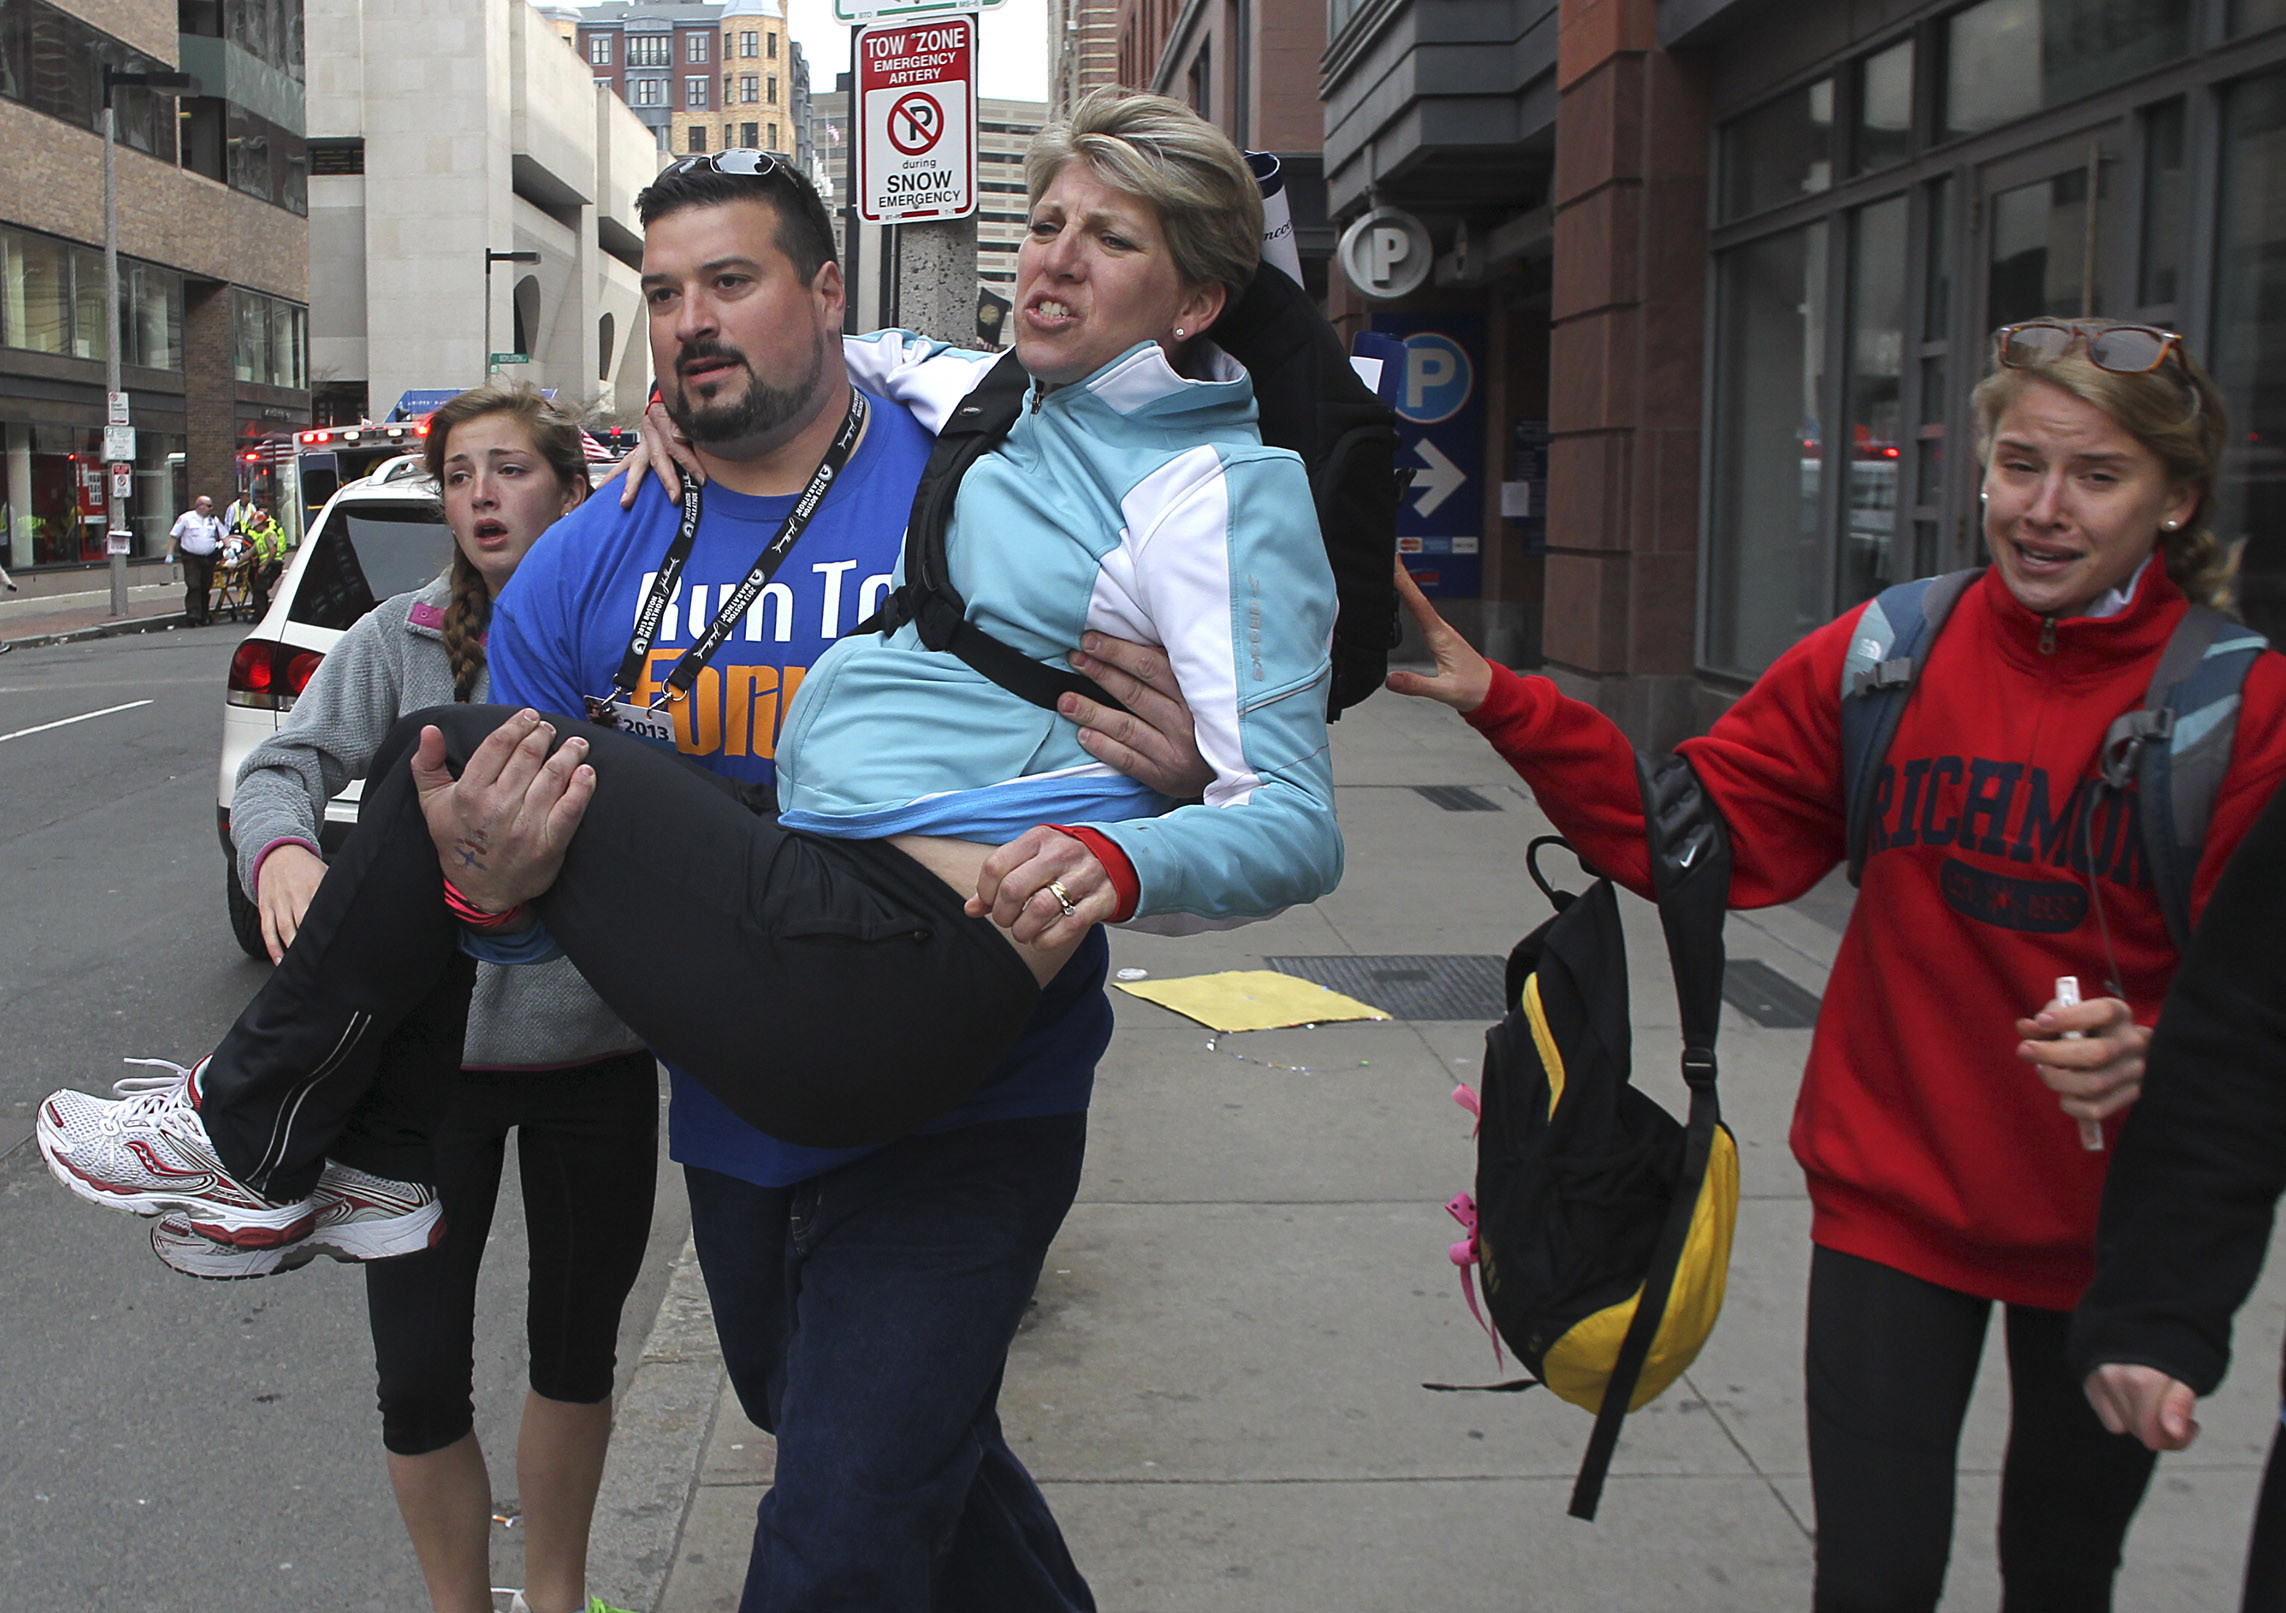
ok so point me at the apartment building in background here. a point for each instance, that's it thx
(702, 76)
(445, 133)
(1082, 50)
(213, 262)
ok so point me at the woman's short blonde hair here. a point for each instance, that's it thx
(2176, 411)
(1195, 179)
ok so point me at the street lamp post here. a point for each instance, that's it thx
(490, 258)
(165, 83)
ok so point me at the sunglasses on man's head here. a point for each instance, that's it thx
(2121, 349)
(737, 160)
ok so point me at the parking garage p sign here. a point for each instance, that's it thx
(916, 126)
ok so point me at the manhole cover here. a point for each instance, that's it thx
(1456, 798)
(1430, 986)
(1767, 997)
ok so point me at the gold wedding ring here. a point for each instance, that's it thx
(1055, 888)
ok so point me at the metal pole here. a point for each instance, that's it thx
(488, 313)
(112, 514)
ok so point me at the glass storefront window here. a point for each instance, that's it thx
(151, 316)
(2006, 59)
(35, 293)
(1765, 576)
(2248, 354)
(52, 488)
(2165, 185)
(87, 339)
(2040, 257)
(272, 339)
(1780, 151)
(1875, 401)
(1884, 108)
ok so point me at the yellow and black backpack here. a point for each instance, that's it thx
(1601, 1225)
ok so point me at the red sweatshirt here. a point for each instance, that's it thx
(1929, 1145)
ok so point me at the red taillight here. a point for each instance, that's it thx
(268, 675)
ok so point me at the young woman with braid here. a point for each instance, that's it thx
(541, 1055)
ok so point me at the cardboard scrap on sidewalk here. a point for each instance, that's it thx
(1252, 1000)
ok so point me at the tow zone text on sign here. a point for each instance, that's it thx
(917, 122)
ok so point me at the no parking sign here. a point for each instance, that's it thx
(916, 124)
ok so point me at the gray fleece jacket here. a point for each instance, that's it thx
(392, 662)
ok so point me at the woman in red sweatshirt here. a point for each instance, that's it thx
(1942, 1175)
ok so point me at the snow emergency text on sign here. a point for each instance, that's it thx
(916, 125)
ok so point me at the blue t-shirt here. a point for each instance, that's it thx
(562, 625)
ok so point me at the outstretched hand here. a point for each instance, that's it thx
(662, 448)
(2146, 1403)
(502, 828)
(1463, 678)
(1153, 741)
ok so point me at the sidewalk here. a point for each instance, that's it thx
(30, 619)
(1219, 1384)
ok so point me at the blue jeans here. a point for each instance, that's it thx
(865, 1318)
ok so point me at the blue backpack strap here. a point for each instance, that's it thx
(1884, 662)
(2177, 748)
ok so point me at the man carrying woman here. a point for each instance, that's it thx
(828, 986)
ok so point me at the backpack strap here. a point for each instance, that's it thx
(927, 597)
(1690, 872)
(1884, 662)
(2176, 747)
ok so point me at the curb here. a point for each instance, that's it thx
(658, 1443)
(118, 627)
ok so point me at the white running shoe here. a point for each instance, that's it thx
(360, 1216)
(147, 1152)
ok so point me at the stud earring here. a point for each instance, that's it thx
(2170, 525)
(1180, 333)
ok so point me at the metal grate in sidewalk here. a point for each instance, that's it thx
(1456, 798)
(1767, 997)
(1410, 986)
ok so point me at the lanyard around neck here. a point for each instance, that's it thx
(735, 606)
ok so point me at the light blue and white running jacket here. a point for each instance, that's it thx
(1139, 503)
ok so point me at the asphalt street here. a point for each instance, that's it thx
(169, 1444)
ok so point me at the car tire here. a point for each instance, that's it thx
(245, 917)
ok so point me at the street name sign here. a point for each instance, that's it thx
(870, 10)
(916, 122)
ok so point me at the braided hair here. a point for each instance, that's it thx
(556, 439)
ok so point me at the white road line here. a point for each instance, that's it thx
(66, 722)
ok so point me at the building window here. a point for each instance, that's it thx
(1780, 152)
(753, 135)
(698, 137)
(2249, 342)
(650, 92)
(695, 47)
(773, 47)
(1768, 459)
(747, 43)
(53, 63)
(694, 92)
(1873, 407)
(749, 88)
(773, 89)
(599, 50)
(271, 339)
(649, 50)
(1884, 108)
(2006, 59)
(2166, 189)
(1199, 84)
(773, 145)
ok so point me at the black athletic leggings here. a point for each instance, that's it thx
(1891, 1362)
(587, 1154)
(830, 992)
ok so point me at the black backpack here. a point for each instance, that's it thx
(2174, 748)
(1601, 1224)
(1310, 401)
